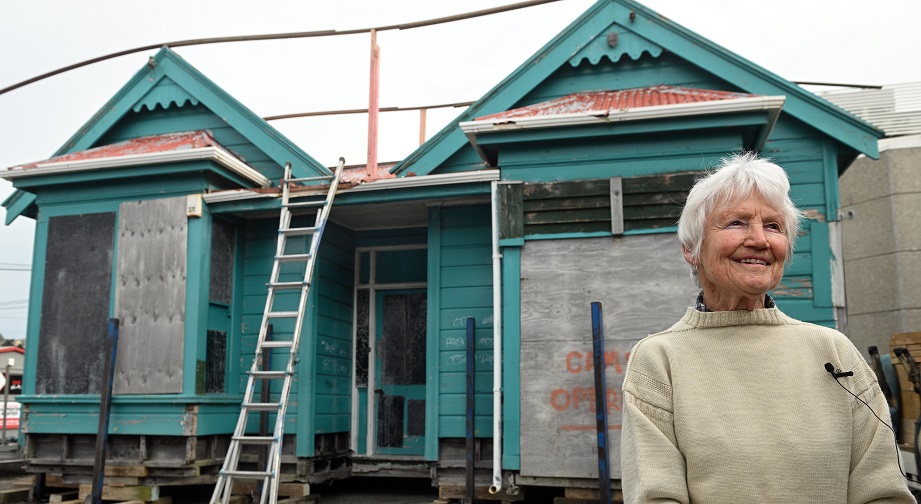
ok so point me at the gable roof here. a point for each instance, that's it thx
(625, 105)
(640, 29)
(149, 150)
(168, 80)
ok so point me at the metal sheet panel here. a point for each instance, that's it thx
(644, 286)
(75, 303)
(150, 296)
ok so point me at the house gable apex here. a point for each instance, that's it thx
(641, 30)
(168, 80)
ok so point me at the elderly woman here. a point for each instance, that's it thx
(734, 403)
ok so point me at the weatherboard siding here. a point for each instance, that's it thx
(464, 290)
(332, 377)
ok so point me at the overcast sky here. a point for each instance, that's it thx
(843, 41)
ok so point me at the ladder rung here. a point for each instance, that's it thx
(249, 474)
(287, 285)
(262, 406)
(277, 344)
(293, 258)
(302, 204)
(310, 179)
(298, 231)
(283, 314)
(254, 440)
(269, 374)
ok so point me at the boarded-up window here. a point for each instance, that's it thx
(403, 359)
(223, 237)
(150, 296)
(362, 343)
(585, 206)
(644, 286)
(75, 304)
(215, 364)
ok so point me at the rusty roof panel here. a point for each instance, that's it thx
(145, 145)
(601, 102)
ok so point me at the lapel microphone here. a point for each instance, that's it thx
(836, 374)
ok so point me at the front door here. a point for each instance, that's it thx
(400, 371)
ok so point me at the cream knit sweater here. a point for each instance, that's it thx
(737, 407)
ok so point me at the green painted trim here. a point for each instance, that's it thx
(168, 65)
(661, 230)
(595, 234)
(305, 420)
(603, 130)
(195, 170)
(235, 335)
(433, 347)
(19, 203)
(511, 357)
(198, 268)
(414, 193)
(148, 419)
(830, 172)
(140, 400)
(362, 198)
(565, 236)
(821, 264)
(511, 242)
(34, 312)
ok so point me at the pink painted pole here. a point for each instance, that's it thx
(373, 106)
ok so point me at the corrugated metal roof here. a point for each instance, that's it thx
(599, 102)
(895, 109)
(171, 142)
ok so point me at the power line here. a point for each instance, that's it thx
(364, 111)
(277, 36)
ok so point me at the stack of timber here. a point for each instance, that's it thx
(910, 400)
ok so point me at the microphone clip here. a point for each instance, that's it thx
(837, 373)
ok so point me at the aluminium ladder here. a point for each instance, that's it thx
(269, 475)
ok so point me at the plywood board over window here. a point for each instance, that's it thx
(644, 286)
(150, 296)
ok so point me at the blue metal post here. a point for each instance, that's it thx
(471, 369)
(105, 408)
(601, 404)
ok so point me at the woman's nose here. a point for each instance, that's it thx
(756, 237)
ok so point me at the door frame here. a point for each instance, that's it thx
(370, 421)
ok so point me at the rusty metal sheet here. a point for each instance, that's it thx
(601, 102)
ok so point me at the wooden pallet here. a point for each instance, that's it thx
(134, 494)
(911, 402)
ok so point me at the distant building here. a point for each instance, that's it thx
(880, 210)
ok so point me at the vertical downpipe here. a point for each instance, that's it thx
(496, 344)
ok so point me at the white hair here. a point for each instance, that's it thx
(736, 178)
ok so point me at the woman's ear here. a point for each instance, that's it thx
(688, 256)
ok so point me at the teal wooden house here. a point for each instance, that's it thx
(559, 187)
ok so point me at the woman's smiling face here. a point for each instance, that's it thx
(742, 255)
